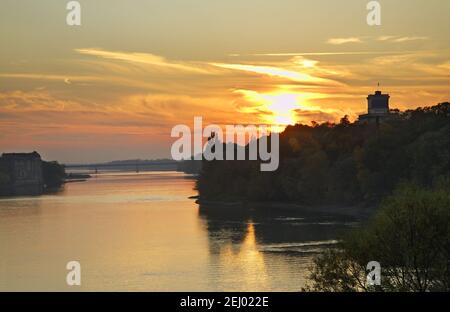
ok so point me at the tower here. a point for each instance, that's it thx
(377, 107)
(378, 103)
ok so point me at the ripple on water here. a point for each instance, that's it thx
(299, 248)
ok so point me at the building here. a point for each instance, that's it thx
(25, 173)
(377, 108)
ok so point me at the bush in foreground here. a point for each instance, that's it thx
(409, 237)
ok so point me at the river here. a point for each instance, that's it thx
(141, 232)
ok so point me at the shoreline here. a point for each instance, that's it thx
(362, 212)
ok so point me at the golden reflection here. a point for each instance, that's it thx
(247, 261)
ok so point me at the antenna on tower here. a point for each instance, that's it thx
(378, 86)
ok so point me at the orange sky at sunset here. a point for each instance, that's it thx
(114, 87)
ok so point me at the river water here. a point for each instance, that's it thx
(141, 232)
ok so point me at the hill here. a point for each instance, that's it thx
(341, 164)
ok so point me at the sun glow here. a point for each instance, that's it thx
(273, 72)
(283, 107)
(278, 108)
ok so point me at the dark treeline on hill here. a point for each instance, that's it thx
(338, 164)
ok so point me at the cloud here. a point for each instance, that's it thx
(143, 58)
(405, 39)
(33, 101)
(138, 97)
(323, 53)
(339, 41)
(63, 78)
(304, 62)
(399, 39)
(278, 72)
(286, 106)
(385, 38)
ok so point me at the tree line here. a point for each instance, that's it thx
(341, 163)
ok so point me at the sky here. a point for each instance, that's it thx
(114, 87)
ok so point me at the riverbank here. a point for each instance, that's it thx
(76, 177)
(361, 212)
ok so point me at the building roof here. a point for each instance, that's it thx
(21, 155)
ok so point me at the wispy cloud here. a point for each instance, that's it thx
(339, 41)
(405, 39)
(386, 38)
(148, 94)
(277, 72)
(143, 58)
(63, 78)
(322, 53)
(400, 39)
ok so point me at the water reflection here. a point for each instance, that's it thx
(288, 230)
(142, 232)
(264, 249)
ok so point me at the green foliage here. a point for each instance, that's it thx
(409, 237)
(54, 173)
(341, 163)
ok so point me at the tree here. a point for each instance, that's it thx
(54, 173)
(341, 164)
(409, 237)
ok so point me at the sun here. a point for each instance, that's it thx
(283, 107)
(279, 108)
